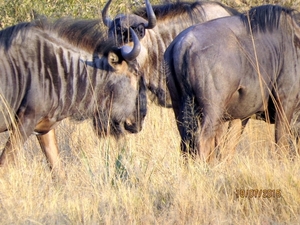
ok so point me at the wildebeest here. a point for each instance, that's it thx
(50, 72)
(163, 24)
(232, 68)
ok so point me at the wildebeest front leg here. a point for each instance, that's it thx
(48, 144)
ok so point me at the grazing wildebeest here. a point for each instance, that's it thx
(232, 68)
(47, 76)
(163, 24)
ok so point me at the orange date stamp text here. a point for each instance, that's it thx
(258, 193)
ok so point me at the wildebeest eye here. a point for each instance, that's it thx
(140, 30)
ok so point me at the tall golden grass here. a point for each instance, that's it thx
(142, 178)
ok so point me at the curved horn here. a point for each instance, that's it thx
(106, 20)
(151, 16)
(129, 53)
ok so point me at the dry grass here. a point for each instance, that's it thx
(142, 179)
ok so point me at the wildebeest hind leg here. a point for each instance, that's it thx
(9, 152)
(206, 144)
(18, 135)
(49, 146)
(228, 138)
(210, 129)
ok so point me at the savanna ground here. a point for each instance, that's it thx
(142, 179)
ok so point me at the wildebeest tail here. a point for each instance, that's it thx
(178, 82)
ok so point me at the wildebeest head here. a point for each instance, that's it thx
(125, 106)
(119, 27)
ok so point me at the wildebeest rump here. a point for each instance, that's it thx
(230, 68)
(170, 20)
(45, 78)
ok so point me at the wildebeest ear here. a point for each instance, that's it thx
(113, 59)
(116, 60)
